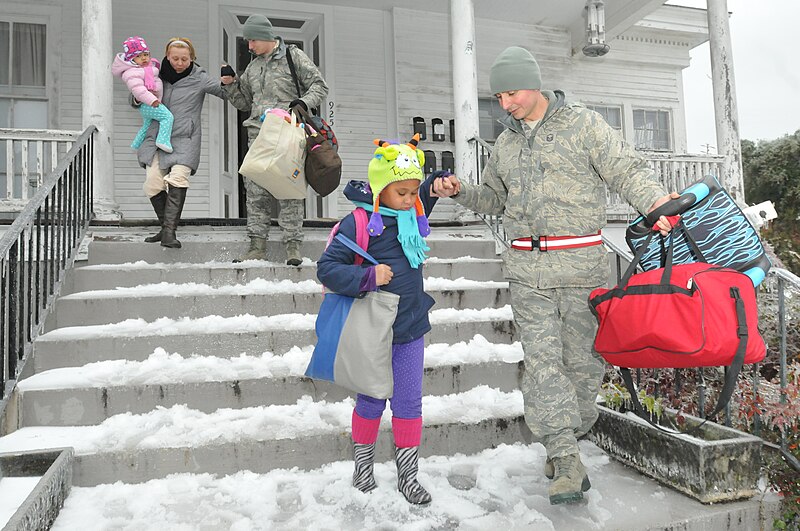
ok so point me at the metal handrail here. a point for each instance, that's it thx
(37, 249)
(494, 223)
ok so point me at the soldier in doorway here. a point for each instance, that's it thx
(267, 83)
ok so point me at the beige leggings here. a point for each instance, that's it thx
(156, 179)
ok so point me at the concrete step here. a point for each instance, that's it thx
(307, 434)
(199, 244)
(136, 339)
(216, 274)
(80, 396)
(259, 297)
(496, 489)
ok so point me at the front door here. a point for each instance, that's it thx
(305, 35)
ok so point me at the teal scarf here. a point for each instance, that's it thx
(412, 243)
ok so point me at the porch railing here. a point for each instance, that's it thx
(674, 172)
(27, 156)
(37, 249)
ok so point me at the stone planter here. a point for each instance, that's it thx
(714, 464)
(54, 468)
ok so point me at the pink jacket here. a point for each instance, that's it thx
(136, 78)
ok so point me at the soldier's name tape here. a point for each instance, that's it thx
(556, 243)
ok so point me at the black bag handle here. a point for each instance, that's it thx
(637, 258)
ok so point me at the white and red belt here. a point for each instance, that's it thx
(556, 243)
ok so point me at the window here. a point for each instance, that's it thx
(489, 111)
(23, 62)
(652, 130)
(612, 115)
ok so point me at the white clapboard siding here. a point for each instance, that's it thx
(361, 91)
(386, 68)
(175, 19)
(69, 115)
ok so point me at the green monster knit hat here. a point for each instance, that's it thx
(391, 163)
(514, 69)
(258, 28)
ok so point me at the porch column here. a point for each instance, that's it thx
(98, 108)
(725, 108)
(465, 88)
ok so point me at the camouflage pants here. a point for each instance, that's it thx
(562, 372)
(259, 213)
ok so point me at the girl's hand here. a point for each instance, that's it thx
(383, 274)
(155, 103)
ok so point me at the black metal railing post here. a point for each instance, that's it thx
(36, 250)
(782, 345)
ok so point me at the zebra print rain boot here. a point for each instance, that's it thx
(364, 456)
(407, 467)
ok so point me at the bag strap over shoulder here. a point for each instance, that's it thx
(292, 69)
(353, 246)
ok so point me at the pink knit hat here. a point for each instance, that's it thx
(134, 46)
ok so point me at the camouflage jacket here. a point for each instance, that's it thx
(267, 83)
(551, 181)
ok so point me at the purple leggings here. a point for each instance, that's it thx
(406, 403)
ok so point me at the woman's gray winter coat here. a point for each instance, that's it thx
(185, 99)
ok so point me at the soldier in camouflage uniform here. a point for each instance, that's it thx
(547, 176)
(267, 83)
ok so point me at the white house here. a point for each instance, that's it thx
(389, 65)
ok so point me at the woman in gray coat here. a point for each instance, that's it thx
(167, 174)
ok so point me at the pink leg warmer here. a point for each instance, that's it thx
(407, 432)
(365, 431)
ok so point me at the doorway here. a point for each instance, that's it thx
(305, 35)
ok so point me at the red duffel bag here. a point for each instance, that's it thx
(687, 315)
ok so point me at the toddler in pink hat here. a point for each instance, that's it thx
(140, 73)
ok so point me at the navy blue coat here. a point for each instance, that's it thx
(335, 268)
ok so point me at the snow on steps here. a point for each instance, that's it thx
(229, 423)
(135, 339)
(110, 276)
(79, 396)
(307, 434)
(268, 297)
(119, 246)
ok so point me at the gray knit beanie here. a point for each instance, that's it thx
(514, 69)
(258, 28)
